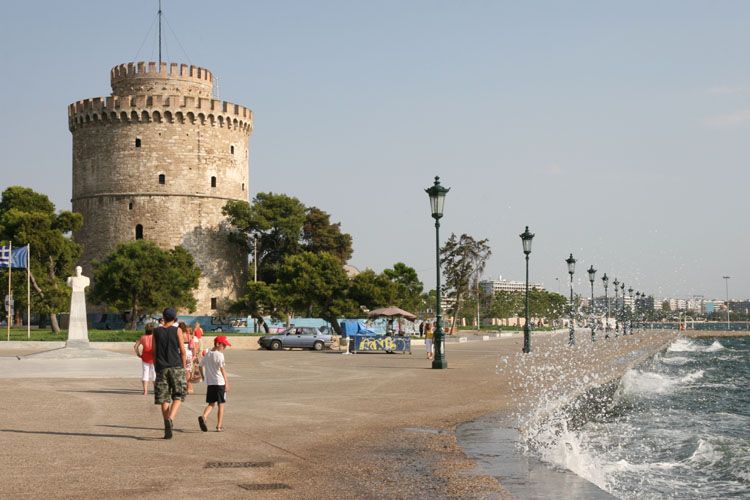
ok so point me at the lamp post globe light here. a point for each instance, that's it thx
(605, 280)
(617, 324)
(437, 193)
(526, 238)
(592, 277)
(571, 329)
(630, 311)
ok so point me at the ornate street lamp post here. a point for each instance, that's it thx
(526, 238)
(437, 193)
(592, 277)
(605, 280)
(630, 316)
(622, 316)
(638, 310)
(617, 323)
(571, 328)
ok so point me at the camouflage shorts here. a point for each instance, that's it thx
(170, 385)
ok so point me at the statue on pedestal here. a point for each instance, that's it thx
(78, 332)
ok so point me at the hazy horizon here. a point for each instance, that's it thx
(616, 132)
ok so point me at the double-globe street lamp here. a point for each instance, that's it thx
(592, 277)
(571, 329)
(437, 193)
(617, 324)
(526, 238)
(605, 280)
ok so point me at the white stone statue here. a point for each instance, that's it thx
(78, 332)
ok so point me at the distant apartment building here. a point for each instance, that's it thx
(491, 287)
(739, 306)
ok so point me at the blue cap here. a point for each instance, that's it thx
(169, 314)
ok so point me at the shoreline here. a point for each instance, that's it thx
(326, 425)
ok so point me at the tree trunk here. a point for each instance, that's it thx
(455, 311)
(133, 314)
(335, 324)
(54, 324)
(262, 323)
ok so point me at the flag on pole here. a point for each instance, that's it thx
(16, 258)
(5, 256)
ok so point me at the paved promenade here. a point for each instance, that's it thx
(299, 424)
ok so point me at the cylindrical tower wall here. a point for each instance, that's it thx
(162, 168)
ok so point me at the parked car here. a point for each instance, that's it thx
(301, 337)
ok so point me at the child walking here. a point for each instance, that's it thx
(215, 375)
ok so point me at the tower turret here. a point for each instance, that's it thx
(158, 160)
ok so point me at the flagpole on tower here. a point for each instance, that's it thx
(160, 34)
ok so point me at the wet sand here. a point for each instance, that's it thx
(299, 424)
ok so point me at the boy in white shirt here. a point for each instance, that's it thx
(213, 372)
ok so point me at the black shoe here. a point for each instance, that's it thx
(202, 423)
(167, 429)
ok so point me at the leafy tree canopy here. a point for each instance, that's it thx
(278, 225)
(141, 277)
(463, 259)
(316, 284)
(29, 218)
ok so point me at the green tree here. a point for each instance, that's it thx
(548, 305)
(506, 304)
(29, 218)
(139, 276)
(260, 299)
(316, 284)
(320, 235)
(406, 285)
(665, 306)
(463, 259)
(277, 226)
(370, 290)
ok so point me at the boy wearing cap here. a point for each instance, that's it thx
(170, 360)
(213, 372)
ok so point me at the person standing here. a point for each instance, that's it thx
(188, 340)
(197, 336)
(146, 353)
(170, 360)
(215, 375)
(428, 339)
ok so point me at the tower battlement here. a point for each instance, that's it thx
(154, 78)
(157, 108)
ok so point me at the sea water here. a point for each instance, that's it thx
(677, 426)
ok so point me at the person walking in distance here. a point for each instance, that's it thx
(146, 353)
(215, 375)
(428, 339)
(170, 361)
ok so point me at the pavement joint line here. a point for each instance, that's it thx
(284, 450)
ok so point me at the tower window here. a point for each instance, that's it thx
(138, 232)
(138, 142)
(243, 186)
(231, 149)
(213, 181)
(130, 206)
(162, 179)
(213, 303)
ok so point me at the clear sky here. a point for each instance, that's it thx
(616, 130)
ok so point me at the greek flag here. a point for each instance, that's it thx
(19, 258)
